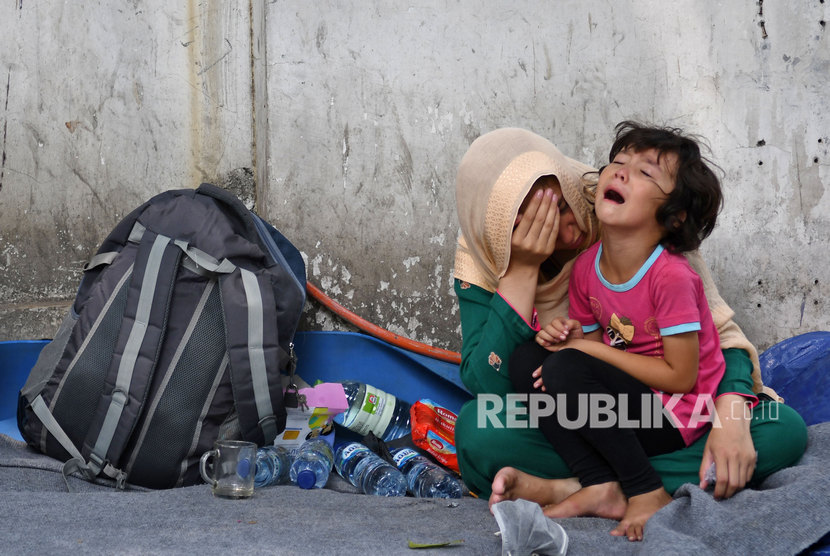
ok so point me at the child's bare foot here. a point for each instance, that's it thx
(512, 484)
(602, 500)
(640, 509)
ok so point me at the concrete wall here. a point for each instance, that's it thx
(102, 105)
(344, 126)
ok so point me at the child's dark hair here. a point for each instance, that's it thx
(690, 212)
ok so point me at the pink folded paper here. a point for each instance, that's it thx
(329, 395)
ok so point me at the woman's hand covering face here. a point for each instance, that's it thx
(536, 229)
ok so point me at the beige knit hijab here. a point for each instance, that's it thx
(493, 179)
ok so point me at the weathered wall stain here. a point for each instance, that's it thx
(762, 24)
(713, 74)
(344, 128)
(5, 129)
(96, 116)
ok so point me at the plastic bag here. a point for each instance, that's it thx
(525, 530)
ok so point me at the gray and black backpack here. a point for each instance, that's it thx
(180, 333)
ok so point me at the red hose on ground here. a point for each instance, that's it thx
(382, 333)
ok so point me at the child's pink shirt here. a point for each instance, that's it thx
(665, 297)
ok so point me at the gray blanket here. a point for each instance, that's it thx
(788, 513)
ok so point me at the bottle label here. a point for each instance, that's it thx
(403, 456)
(375, 413)
(352, 449)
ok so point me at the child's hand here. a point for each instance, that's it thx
(559, 331)
(554, 337)
(538, 383)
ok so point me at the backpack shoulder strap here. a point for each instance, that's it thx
(133, 363)
(254, 353)
(251, 313)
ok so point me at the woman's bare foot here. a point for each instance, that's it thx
(640, 509)
(512, 484)
(602, 500)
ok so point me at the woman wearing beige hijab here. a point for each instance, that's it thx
(525, 211)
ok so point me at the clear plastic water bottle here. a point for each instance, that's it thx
(373, 410)
(425, 478)
(312, 464)
(368, 471)
(272, 466)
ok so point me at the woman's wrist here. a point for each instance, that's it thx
(522, 271)
(518, 288)
(733, 408)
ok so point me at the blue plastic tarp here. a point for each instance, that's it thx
(799, 370)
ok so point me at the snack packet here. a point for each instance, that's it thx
(433, 430)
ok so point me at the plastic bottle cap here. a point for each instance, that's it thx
(306, 479)
(243, 468)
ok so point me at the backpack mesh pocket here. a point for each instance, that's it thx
(176, 414)
(76, 402)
